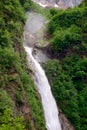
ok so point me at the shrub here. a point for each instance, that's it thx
(9, 121)
(8, 58)
(5, 100)
(66, 38)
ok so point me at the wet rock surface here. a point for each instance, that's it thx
(34, 35)
(65, 123)
(40, 55)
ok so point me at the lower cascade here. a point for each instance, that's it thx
(48, 101)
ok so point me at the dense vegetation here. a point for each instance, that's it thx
(17, 89)
(68, 72)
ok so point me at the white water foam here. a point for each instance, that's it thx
(48, 101)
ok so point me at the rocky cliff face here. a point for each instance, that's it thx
(68, 3)
(60, 3)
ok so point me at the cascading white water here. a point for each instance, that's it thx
(48, 102)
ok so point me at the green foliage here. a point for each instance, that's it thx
(66, 18)
(83, 47)
(9, 121)
(14, 12)
(5, 38)
(30, 5)
(54, 11)
(8, 59)
(84, 3)
(19, 97)
(27, 4)
(68, 81)
(63, 90)
(65, 38)
(68, 28)
(68, 77)
(83, 108)
(5, 100)
(11, 21)
(14, 74)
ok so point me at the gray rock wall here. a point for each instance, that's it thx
(61, 3)
(68, 3)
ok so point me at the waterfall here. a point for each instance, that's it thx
(48, 101)
(34, 23)
(33, 35)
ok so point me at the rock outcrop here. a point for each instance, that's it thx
(68, 3)
(59, 3)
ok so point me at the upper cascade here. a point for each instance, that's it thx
(58, 3)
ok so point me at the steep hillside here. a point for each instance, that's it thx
(20, 106)
(67, 72)
(20, 103)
